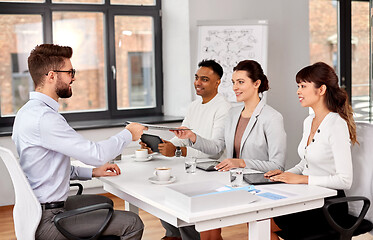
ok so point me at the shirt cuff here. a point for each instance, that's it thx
(85, 173)
(249, 164)
(316, 180)
(127, 135)
(197, 142)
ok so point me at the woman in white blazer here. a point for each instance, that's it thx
(324, 149)
(254, 133)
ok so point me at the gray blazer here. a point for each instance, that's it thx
(263, 144)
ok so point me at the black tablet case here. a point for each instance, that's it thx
(257, 179)
(151, 141)
(207, 166)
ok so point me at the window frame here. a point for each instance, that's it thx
(46, 9)
(345, 46)
(345, 49)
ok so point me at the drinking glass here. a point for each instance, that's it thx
(236, 177)
(190, 164)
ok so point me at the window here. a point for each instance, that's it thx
(360, 84)
(88, 58)
(323, 23)
(19, 34)
(339, 36)
(134, 58)
(117, 51)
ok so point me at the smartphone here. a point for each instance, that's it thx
(151, 141)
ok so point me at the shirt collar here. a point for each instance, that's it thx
(211, 101)
(45, 99)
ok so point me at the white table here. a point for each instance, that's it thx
(133, 186)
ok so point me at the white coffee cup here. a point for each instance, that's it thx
(163, 173)
(141, 153)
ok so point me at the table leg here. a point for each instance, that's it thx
(132, 208)
(260, 230)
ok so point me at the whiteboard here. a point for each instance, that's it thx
(229, 42)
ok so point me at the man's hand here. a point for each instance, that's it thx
(229, 163)
(107, 169)
(136, 130)
(167, 148)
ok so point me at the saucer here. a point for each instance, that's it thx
(141, 159)
(156, 181)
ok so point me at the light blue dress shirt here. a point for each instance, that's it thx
(45, 142)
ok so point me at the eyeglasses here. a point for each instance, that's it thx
(72, 72)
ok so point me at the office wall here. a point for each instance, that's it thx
(288, 51)
(177, 77)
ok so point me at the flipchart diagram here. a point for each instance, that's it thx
(230, 44)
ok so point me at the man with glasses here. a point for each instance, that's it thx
(45, 142)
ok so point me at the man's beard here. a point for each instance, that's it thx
(63, 90)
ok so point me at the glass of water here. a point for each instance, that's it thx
(236, 176)
(190, 164)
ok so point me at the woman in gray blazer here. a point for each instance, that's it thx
(254, 133)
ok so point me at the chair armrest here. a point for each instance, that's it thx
(80, 186)
(360, 218)
(83, 210)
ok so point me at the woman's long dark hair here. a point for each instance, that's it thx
(336, 98)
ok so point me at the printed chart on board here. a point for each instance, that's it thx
(231, 42)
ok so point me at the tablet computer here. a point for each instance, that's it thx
(208, 165)
(151, 141)
(257, 179)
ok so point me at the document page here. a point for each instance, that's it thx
(273, 193)
(157, 127)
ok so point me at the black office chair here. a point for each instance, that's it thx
(360, 217)
(89, 203)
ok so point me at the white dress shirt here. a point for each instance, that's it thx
(45, 142)
(327, 159)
